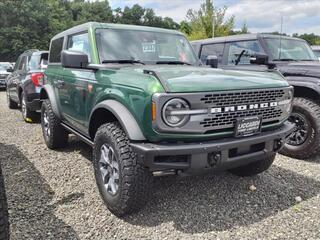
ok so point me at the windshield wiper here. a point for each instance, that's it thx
(123, 61)
(285, 59)
(173, 62)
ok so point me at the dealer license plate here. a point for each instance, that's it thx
(248, 126)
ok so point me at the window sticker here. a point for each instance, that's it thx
(149, 47)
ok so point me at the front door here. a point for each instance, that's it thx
(77, 84)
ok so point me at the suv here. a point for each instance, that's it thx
(294, 58)
(4, 66)
(25, 83)
(138, 96)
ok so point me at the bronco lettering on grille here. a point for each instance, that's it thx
(243, 107)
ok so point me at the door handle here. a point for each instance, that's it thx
(60, 83)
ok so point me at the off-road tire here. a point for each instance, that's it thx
(11, 103)
(311, 146)
(254, 168)
(58, 137)
(27, 115)
(4, 216)
(135, 180)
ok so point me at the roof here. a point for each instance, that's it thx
(241, 37)
(95, 25)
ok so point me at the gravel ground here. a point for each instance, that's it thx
(52, 195)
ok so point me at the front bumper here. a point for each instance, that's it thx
(211, 155)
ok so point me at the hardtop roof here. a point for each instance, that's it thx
(94, 25)
(242, 37)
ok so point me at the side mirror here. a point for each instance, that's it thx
(10, 69)
(259, 59)
(212, 61)
(74, 59)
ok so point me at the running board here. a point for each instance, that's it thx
(81, 136)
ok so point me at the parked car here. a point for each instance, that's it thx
(294, 58)
(316, 50)
(25, 83)
(138, 96)
(3, 73)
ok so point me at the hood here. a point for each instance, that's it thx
(4, 72)
(202, 79)
(303, 68)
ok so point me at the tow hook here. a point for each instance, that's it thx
(214, 158)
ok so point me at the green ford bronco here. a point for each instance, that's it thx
(140, 97)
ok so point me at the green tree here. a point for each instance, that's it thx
(207, 19)
(311, 38)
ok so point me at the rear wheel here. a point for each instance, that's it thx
(10, 102)
(304, 142)
(254, 168)
(28, 115)
(123, 182)
(54, 134)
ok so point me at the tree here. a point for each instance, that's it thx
(201, 21)
(311, 38)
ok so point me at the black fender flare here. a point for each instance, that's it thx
(47, 90)
(125, 118)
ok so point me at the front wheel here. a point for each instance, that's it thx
(123, 182)
(10, 102)
(304, 142)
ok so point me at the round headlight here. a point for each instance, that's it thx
(173, 112)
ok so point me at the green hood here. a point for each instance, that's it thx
(201, 79)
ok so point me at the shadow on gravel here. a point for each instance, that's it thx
(29, 196)
(76, 145)
(221, 202)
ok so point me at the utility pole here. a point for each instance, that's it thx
(213, 23)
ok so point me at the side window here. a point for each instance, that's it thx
(22, 63)
(212, 49)
(80, 43)
(242, 51)
(55, 50)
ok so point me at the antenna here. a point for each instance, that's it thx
(280, 37)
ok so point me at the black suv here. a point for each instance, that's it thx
(25, 83)
(294, 58)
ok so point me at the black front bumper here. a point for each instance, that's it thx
(211, 155)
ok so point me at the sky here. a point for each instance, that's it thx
(299, 16)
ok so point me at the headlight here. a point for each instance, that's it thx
(287, 103)
(174, 112)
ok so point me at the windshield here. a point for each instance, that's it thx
(291, 49)
(143, 46)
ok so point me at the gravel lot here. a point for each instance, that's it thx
(52, 195)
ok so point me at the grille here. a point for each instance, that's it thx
(228, 119)
(223, 119)
(239, 98)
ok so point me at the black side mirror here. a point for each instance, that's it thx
(212, 61)
(10, 69)
(74, 59)
(259, 59)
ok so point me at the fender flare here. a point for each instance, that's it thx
(48, 89)
(125, 118)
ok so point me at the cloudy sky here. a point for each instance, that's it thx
(301, 16)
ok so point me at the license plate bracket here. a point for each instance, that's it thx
(248, 126)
